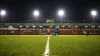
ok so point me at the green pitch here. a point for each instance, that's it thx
(62, 45)
(26, 45)
(75, 45)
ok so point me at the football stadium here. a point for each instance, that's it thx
(26, 39)
(49, 28)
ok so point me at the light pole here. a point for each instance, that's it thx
(94, 13)
(61, 14)
(36, 14)
(2, 13)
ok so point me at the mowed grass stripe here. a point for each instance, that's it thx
(75, 45)
(22, 45)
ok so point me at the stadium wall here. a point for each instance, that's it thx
(64, 28)
(38, 32)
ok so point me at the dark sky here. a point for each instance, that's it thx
(76, 10)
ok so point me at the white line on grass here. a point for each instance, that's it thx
(47, 48)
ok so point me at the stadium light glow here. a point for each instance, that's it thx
(2, 12)
(34, 26)
(36, 13)
(93, 13)
(61, 13)
(27, 26)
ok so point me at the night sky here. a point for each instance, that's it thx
(75, 10)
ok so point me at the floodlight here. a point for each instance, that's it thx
(93, 13)
(99, 26)
(2, 12)
(61, 13)
(34, 26)
(36, 13)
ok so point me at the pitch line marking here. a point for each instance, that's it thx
(47, 48)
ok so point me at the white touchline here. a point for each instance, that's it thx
(47, 48)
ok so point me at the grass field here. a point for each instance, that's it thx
(62, 45)
(22, 45)
(75, 45)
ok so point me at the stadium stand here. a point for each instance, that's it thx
(64, 29)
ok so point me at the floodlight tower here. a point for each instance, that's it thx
(61, 14)
(2, 13)
(36, 14)
(94, 13)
